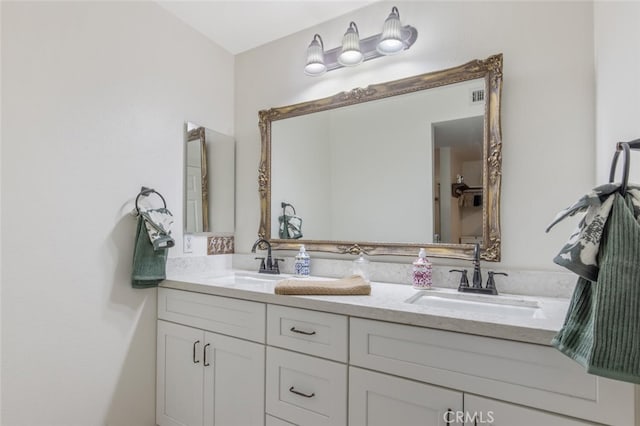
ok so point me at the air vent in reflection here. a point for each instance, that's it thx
(477, 96)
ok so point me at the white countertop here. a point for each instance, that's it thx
(387, 302)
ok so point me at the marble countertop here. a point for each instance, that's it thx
(387, 302)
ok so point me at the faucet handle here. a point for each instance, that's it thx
(275, 265)
(491, 284)
(262, 265)
(464, 280)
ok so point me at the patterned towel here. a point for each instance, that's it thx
(579, 254)
(158, 223)
(602, 327)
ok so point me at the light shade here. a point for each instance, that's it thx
(351, 55)
(391, 38)
(315, 57)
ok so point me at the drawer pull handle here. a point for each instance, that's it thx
(307, 333)
(292, 390)
(194, 351)
(206, 363)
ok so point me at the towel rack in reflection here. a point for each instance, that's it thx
(144, 192)
(626, 147)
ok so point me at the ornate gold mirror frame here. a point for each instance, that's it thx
(199, 135)
(491, 70)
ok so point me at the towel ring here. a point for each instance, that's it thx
(145, 192)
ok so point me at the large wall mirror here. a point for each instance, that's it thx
(389, 168)
(209, 170)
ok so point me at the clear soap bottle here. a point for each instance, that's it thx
(422, 272)
(302, 263)
(361, 267)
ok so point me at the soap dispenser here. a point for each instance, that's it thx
(422, 272)
(361, 267)
(302, 263)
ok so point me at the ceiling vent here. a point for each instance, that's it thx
(477, 96)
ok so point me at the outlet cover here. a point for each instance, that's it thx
(187, 244)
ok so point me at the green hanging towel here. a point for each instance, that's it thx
(602, 326)
(151, 248)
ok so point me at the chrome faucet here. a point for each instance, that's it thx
(270, 265)
(476, 281)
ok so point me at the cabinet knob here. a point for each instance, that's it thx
(195, 344)
(306, 395)
(308, 333)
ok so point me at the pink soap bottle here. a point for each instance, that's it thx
(422, 272)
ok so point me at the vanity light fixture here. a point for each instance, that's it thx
(351, 54)
(315, 57)
(391, 39)
(394, 39)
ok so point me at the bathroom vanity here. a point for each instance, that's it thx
(230, 351)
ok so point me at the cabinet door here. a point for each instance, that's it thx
(233, 381)
(179, 375)
(483, 411)
(377, 399)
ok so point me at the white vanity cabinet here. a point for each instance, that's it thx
(207, 378)
(229, 361)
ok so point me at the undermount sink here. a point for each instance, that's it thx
(512, 306)
(247, 279)
(244, 280)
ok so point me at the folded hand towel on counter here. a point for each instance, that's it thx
(354, 285)
(151, 245)
(602, 326)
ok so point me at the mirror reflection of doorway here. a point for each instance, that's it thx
(458, 180)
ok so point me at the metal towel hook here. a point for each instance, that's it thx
(626, 147)
(144, 191)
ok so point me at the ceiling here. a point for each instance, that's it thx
(241, 25)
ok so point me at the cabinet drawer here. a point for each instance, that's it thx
(305, 390)
(237, 318)
(523, 373)
(312, 332)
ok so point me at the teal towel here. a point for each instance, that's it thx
(602, 327)
(148, 264)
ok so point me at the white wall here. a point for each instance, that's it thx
(547, 112)
(0, 214)
(94, 103)
(617, 55)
